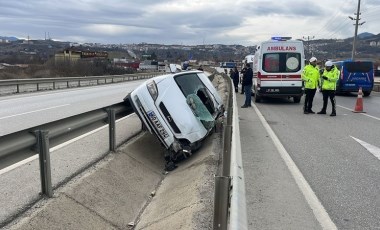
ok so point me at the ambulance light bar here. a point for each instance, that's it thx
(281, 38)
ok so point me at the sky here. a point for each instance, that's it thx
(185, 22)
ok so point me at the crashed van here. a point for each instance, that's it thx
(180, 109)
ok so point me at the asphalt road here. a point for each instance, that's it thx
(24, 111)
(344, 175)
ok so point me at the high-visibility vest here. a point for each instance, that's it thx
(310, 76)
(332, 78)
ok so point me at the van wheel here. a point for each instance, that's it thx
(366, 93)
(297, 99)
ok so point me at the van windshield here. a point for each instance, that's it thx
(281, 62)
(358, 67)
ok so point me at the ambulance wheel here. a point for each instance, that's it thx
(297, 99)
(257, 98)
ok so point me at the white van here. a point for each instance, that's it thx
(277, 69)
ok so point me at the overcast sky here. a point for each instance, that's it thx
(187, 22)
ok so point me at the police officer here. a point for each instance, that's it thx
(328, 81)
(310, 76)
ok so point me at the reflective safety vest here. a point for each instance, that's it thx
(332, 78)
(310, 76)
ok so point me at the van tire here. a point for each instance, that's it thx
(297, 99)
(366, 93)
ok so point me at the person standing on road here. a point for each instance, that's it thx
(243, 70)
(235, 79)
(328, 81)
(310, 76)
(247, 82)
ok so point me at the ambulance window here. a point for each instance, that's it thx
(282, 62)
(293, 62)
(271, 63)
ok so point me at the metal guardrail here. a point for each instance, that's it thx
(38, 138)
(38, 84)
(229, 199)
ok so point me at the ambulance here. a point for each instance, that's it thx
(277, 68)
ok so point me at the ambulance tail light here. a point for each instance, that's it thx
(258, 80)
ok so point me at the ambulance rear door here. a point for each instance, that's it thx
(281, 68)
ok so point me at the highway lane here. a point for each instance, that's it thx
(344, 175)
(18, 112)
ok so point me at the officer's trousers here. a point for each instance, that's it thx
(309, 97)
(326, 95)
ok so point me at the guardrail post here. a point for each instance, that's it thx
(44, 158)
(112, 130)
(221, 202)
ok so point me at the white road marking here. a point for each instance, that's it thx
(376, 118)
(55, 148)
(371, 148)
(319, 211)
(34, 111)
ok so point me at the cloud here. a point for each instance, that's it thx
(187, 21)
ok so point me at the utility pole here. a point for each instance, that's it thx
(308, 44)
(357, 19)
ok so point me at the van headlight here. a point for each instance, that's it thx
(152, 88)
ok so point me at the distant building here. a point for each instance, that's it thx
(375, 43)
(74, 55)
(125, 63)
(148, 65)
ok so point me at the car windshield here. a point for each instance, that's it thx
(189, 83)
(197, 97)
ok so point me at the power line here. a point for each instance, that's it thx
(334, 19)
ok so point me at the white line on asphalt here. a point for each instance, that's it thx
(34, 111)
(18, 164)
(313, 201)
(371, 148)
(360, 113)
